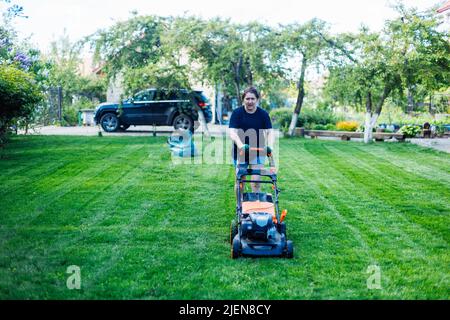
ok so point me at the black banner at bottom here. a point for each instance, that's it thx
(224, 309)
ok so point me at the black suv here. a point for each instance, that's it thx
(177, 108)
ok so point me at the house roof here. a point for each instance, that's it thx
(445, 7)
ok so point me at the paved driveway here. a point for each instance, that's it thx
(441, 144)
(132, 131)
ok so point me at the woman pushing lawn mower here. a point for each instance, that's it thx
(258, 229)
(251, 127)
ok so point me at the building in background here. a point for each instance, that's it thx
(445, 11)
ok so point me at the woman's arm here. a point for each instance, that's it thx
(235, 137)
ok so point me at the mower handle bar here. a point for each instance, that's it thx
(255, 150)
(255, 172)
(269, 155)
(257, 181)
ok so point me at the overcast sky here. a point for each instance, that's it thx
(48, 18)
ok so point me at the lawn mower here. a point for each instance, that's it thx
(258, 229)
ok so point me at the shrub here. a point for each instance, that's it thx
(308, 117)
(410, 131)
(70, 112)
(317, 116)
(347, 126)
(281, 117)
(83, 103)
(19, 95)
(69, 117)
(319, 127)
(442, 121)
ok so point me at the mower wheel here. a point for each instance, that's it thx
(236, 248)
(289, 249)
(233, 230)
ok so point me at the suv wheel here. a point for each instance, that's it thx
(109, 122)
(183, 122)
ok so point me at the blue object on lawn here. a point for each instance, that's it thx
(182, 145)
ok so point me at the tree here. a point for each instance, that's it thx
(143, 51)
(22, 75)
(214, 47)
(408, 51)
(129, 45)
(304, 41)
(423, 48)
(64, 72)
(371, 75)
(232, 55)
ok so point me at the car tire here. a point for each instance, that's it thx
(109, 122)
(183, 122)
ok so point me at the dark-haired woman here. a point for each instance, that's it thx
(250, 127)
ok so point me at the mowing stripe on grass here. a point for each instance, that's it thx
(59, 174)
(438, 252)
(40, 204)
(12, 167)
(116, 262)
(73, 242)
(360, 258)
(148, 229)
(316, 187)
(369, 197)
(415, 164)
(397, 187)
(44, 166)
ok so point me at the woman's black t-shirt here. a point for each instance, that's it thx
(252, 126)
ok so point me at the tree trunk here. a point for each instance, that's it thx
(367, 124)
(249, 72)
(430, 108)
(237, 72)
(372, 115)
(411, 104)
(202, 120)
(300, 97)
(371, 121)
(238, 92)
(293, 124)
(367, 129)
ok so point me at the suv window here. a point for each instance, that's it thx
(172, 95)
(144, 96)
(160, 96)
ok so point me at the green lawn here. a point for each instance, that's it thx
(140, 227)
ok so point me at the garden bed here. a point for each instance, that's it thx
(347, 135)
